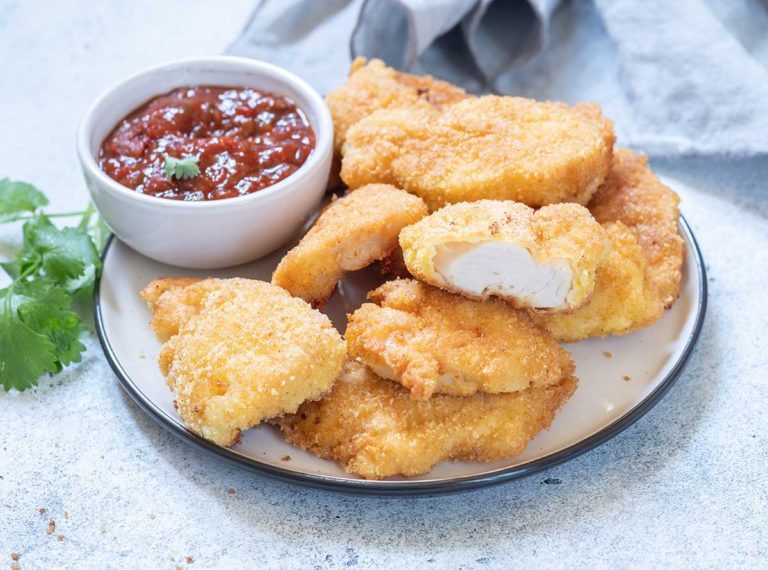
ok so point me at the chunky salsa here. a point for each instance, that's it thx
(232, 141)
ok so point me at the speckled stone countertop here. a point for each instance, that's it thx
(686, 486)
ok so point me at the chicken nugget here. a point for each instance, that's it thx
(374, 429)
(625, 299)
(432, 341)
(353, 232)
(240, 351)
(492, 147)
(633, 195)
(372, 86)
(545, 259)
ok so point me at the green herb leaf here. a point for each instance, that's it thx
(39, 330)
(64, 253)
(46, 309)
(18, 198)
(181, 168)
(11, 268)
(25, 355)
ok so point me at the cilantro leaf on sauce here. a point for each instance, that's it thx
(181, 168)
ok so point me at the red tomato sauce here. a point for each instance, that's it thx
(244, 140)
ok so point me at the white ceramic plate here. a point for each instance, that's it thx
(604, 403)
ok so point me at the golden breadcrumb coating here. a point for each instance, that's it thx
(374, 429)
(633, 195)
(624, 298)
(561, 234)
(352, 232)
(504, 148)
(372, 86)
(436, 342)
(241, 351)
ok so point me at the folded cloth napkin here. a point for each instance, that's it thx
(678, 78)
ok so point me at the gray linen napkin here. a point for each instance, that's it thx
(686, 77)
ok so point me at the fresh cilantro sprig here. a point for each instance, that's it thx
(181, 168)
(40, 331)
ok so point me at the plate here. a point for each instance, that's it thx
(621, 378)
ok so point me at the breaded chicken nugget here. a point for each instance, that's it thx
(503, 148)
(353, 232)
(633, 195)
(543, 259)
(624, 298)
(432, 341)
(372, 86)
(374, 429)
(240, 351)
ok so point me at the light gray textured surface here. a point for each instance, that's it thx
(685, 486)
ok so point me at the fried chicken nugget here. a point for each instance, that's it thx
(625, 299)
(632, 194)
(240, 351)
(374, 429)
(545, 259)
(353, 232)
(372, 86)
(432, 341)
(503, 148)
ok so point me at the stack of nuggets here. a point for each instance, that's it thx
(512, 224)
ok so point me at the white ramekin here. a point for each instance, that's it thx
(217, 233)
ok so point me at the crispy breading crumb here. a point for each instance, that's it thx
(51, 526)
(189, 559)
(352, 233)
(15, 566)
(607, 354)
(14, 556)
(375, 429)
(286, 458)
(624, 299)
(633, 194)
(60, 537)
(41, 510)
(491, 147)
(373, 85)
(627, 378)
(432, 341)
(229, 346)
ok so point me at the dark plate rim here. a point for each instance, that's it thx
(417, 488)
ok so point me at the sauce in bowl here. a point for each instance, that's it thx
(240, 140)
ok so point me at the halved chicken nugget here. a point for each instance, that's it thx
(502, 148)
(240, 351)
(353, 232)
(625, 299)
(543, 259)
(633, 195)
(374, 429)
(432, 341)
